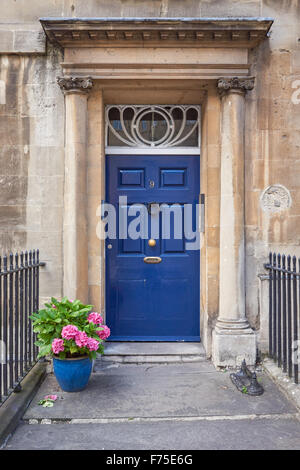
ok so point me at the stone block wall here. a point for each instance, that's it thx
(32, 137)
(272, 153)
(32, 161)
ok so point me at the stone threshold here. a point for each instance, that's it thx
(153, 352)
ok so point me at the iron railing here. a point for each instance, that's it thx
(19, 298)
(284, 308)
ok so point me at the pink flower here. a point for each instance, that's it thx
(81, 339)
(105, 333)
(53, 306)
(57, 345)
(50, 397)
(93, 344)
(96, 318)
(69, 332)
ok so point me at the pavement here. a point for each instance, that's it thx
(158, 406)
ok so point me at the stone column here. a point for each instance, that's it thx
(233, 339)
(75, 241)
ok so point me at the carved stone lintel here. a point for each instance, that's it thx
(235, 84)
(75, 84)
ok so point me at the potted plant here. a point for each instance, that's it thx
(73, 334)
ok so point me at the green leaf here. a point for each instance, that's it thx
(48, 328)
(44, 350)
(48, 404)
(37, 329)
(52, 314)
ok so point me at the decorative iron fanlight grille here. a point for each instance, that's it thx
(153, 126)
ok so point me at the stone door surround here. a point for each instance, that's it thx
(214, 50)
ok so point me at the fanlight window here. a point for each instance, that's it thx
(153, 126)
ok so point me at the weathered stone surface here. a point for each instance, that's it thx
(6, 40)
(26, 41)
(229, 350)
(11, 160)
(173, 390)
(29, 42)
(275, 198)
(213, 8)
(31, 169)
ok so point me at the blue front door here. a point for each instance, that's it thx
(156, 300)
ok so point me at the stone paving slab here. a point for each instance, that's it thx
(182, 390)
(268, 434)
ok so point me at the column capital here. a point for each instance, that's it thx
(235, 85)
(75, 84)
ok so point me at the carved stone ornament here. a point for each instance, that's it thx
(235, 83)
(275, 198)
(79, 84)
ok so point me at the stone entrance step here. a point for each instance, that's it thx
(140, 353)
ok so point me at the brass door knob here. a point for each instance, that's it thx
(151, 242)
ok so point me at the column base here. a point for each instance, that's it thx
(229, 350)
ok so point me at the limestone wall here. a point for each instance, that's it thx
(32, 161)
(272, 152)
(32, 137)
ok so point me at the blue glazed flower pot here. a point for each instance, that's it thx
(72, 374)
